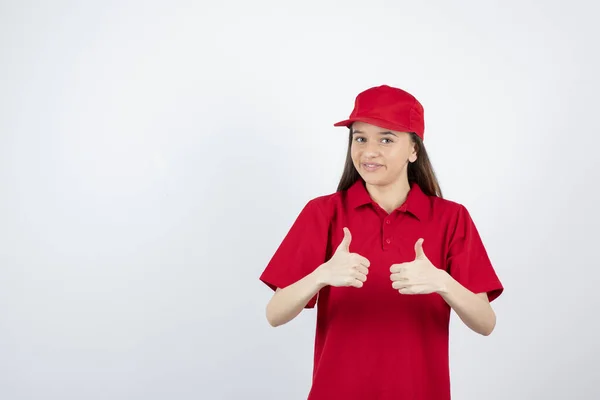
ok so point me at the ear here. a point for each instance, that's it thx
(413, 154)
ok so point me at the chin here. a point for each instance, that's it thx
(370, 180)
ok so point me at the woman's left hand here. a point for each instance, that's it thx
(419, 276)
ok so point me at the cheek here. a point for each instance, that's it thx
(354, 154)
(397, 160)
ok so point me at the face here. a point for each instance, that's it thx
(381, 156)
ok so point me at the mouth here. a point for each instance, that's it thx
(371, 166)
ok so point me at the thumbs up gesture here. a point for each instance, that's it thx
(345, 268)
(419, 276)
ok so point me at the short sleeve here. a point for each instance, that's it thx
(302, 250)
(467, 259)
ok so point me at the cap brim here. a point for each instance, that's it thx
(373, 121)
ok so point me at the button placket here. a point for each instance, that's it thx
(387, 239)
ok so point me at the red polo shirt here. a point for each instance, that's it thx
(373, 342)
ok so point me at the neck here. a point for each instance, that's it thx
(391, 196)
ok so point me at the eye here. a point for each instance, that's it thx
(358, 139)
(388, 140)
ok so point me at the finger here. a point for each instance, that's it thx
(356, 283)
(358, 259)
(365, 261)
(361, 277)
(401, 284)
(398, 277)
(362, 269)
(416, 289)
(397, 267)
(345, 245)
(420, 254)
(406, 291)
(351, 281)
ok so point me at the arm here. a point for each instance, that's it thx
(287, 303)
(343, 269)
(473, 309)
(422, 277)
(469, 281)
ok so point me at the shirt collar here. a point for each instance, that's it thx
(417, 202)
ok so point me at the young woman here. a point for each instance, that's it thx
(386, 258)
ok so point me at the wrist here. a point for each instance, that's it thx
(319, 276)
(444, 282)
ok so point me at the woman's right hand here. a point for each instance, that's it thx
(344, 268)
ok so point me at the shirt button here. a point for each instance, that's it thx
(388, 241)
(387, 221)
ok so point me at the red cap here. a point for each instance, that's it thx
(389, 108)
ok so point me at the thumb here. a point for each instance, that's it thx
(420, 254)
(345, 245)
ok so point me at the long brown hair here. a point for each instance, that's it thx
(420, 172)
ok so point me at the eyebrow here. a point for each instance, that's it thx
(381, 133)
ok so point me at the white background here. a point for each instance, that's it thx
(153, 155)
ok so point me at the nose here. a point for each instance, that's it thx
(371, 150)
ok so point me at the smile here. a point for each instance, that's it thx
(371, 166)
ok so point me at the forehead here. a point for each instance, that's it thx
(366, 128)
